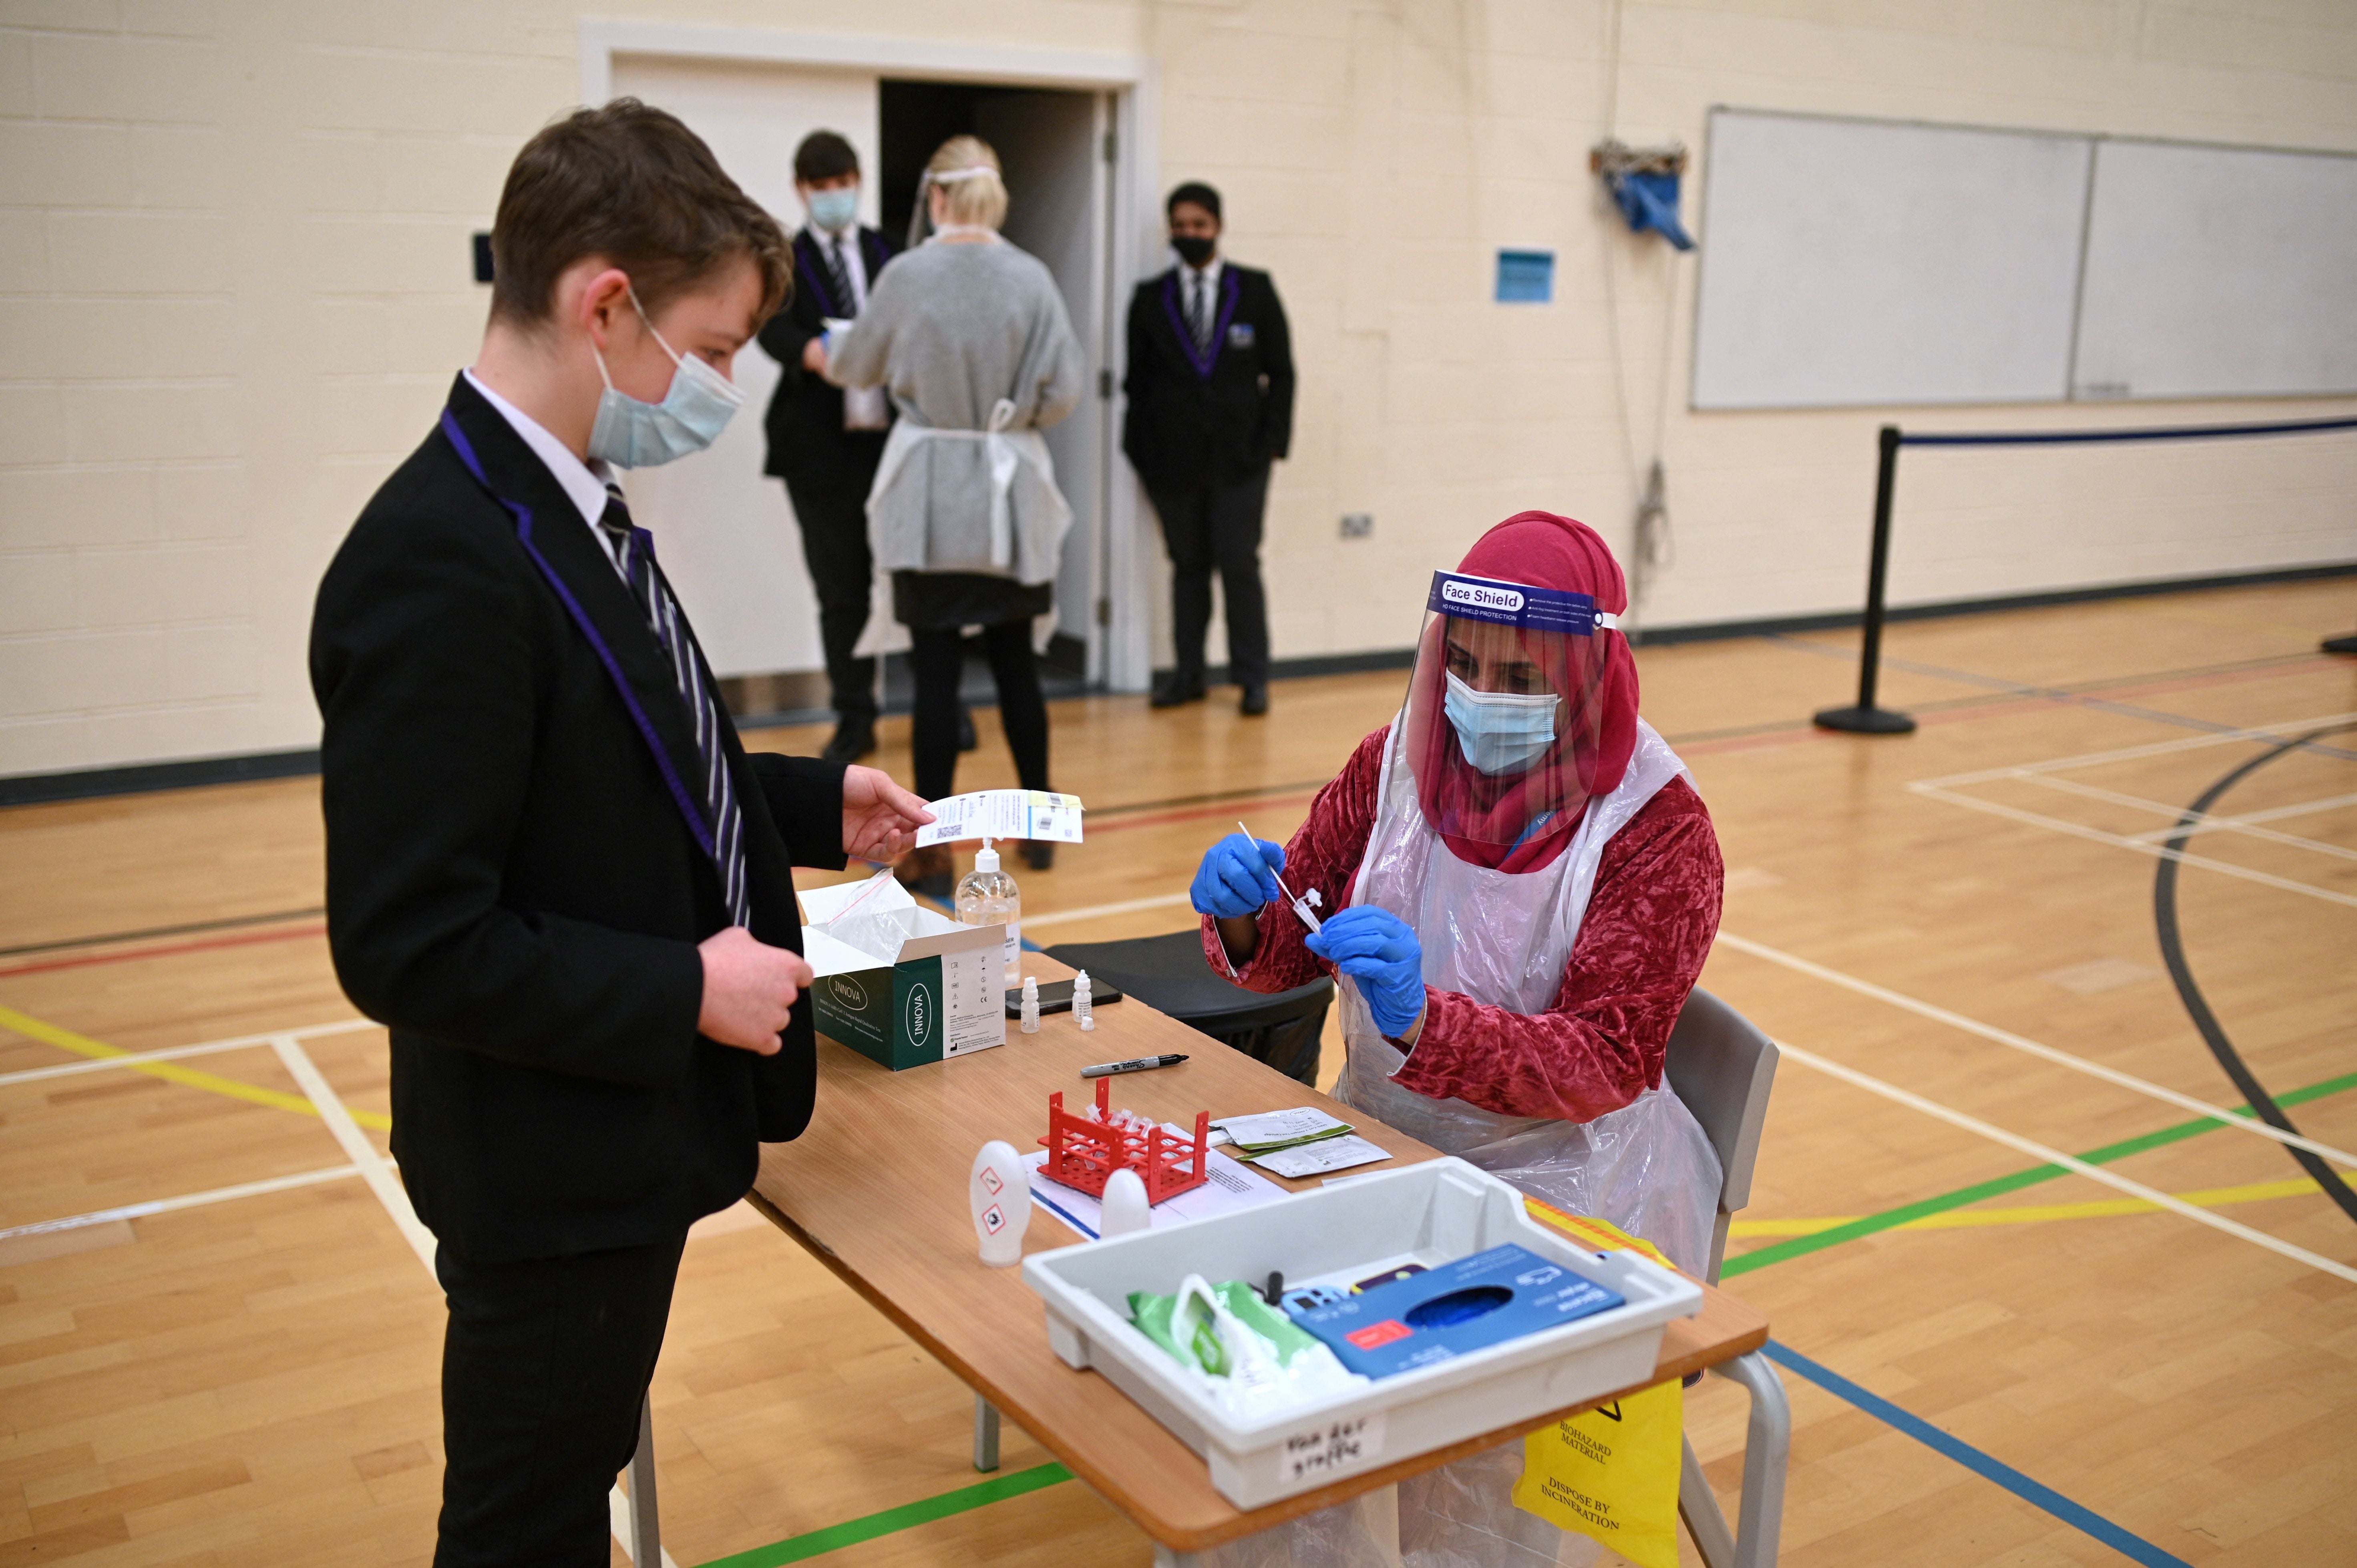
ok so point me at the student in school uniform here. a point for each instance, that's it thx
(553, 871)
(1210, 407)
(825, 440)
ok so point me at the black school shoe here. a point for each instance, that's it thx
(1038, 854)
(1173, 687)
(1255, 700)
(854, 738)
(967, 739)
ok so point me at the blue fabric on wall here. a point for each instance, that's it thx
(1651, 201)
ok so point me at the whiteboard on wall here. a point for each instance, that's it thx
(2218, 272)
(1848, 262)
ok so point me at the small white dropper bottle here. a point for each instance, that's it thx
(1030, 1004)
(1083, 1002)
(988, 897)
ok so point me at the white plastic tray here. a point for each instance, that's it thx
(1435, 1212)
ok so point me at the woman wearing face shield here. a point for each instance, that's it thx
(1521, 886)
(969, 337)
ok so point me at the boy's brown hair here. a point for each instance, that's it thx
(631, 184)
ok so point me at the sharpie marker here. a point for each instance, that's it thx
(1136, 1064)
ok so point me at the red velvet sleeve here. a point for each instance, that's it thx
(1324, 855)
(1649, 926)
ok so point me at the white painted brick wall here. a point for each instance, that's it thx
(233, 287)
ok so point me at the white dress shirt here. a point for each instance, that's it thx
(583, 484)
(863, 408)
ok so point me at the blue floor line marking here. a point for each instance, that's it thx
(2128, 1545)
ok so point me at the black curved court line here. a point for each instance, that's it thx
(2197, 1007)
(2142, 433)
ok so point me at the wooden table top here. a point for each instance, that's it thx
(876, 1190)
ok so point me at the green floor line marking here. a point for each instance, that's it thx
(851, 1533)
(1799, 1246)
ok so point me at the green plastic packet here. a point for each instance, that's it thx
(1193, 1340)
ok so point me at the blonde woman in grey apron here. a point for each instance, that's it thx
(1524, 885)
(969, 337)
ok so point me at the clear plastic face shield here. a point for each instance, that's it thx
(1505, 707)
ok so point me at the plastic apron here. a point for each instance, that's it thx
(1505, 939)
(1006, 450)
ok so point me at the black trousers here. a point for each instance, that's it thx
(1217, 527)
(543, 1368)
(937, 657)
(832, 512)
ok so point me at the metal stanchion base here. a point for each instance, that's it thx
(2339, 645)
(1866, 721)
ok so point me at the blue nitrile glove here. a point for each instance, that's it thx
(1378, 949)
(1237, 877)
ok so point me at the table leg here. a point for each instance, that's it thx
(646, 1519)
(1166, 1557)
(1699, 1507)
(1766, 1445)
(986, 1435)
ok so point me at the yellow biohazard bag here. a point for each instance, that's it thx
(1611, 1474)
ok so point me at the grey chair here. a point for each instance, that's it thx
(1722, 1068)
(1168, 973)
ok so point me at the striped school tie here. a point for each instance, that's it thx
(634, 548)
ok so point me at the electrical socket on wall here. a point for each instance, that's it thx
(1358, 524)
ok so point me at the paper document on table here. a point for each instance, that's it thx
(1320, 1156)
(1275, 1129)
(1004, 814)
(1229, 1186)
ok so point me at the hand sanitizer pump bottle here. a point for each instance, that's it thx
(986, 897)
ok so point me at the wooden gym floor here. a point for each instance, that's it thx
(235, 1361)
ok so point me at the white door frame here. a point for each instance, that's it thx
(1122, 659)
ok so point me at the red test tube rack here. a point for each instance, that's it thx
(1083, 1152)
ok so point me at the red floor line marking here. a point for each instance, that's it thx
(129, 954)
(1228, 809)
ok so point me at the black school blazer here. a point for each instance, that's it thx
(1194, 421)
(514, 886)
(804, 422)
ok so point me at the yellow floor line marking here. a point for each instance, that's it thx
(2053, 1156)
(2028, 1046)
(2040, 1214)
(212, 1083)
(180, 1052)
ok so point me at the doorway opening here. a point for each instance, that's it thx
(1052, 150)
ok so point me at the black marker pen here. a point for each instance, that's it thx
(1136, 1064)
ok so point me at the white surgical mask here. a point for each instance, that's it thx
(632, 433)
(1500, 732)
(835, 211)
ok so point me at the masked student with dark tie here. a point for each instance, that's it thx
(553, 871)
(825, 440)
(1210, 407)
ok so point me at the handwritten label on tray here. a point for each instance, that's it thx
(1322, 1453)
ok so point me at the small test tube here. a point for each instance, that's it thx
(1083, 1002)
(1030, 1005)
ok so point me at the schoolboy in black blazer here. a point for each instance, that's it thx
(1211, 406)
(827, 465)
(588, 958)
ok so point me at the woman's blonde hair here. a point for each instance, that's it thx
(976, 194)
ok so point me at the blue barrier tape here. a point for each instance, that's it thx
(2134, 1547)
(2151, 433)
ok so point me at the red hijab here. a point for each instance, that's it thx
(1598, 680)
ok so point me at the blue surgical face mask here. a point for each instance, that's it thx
(1500, 732)
(834, 210)
(633, 434)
